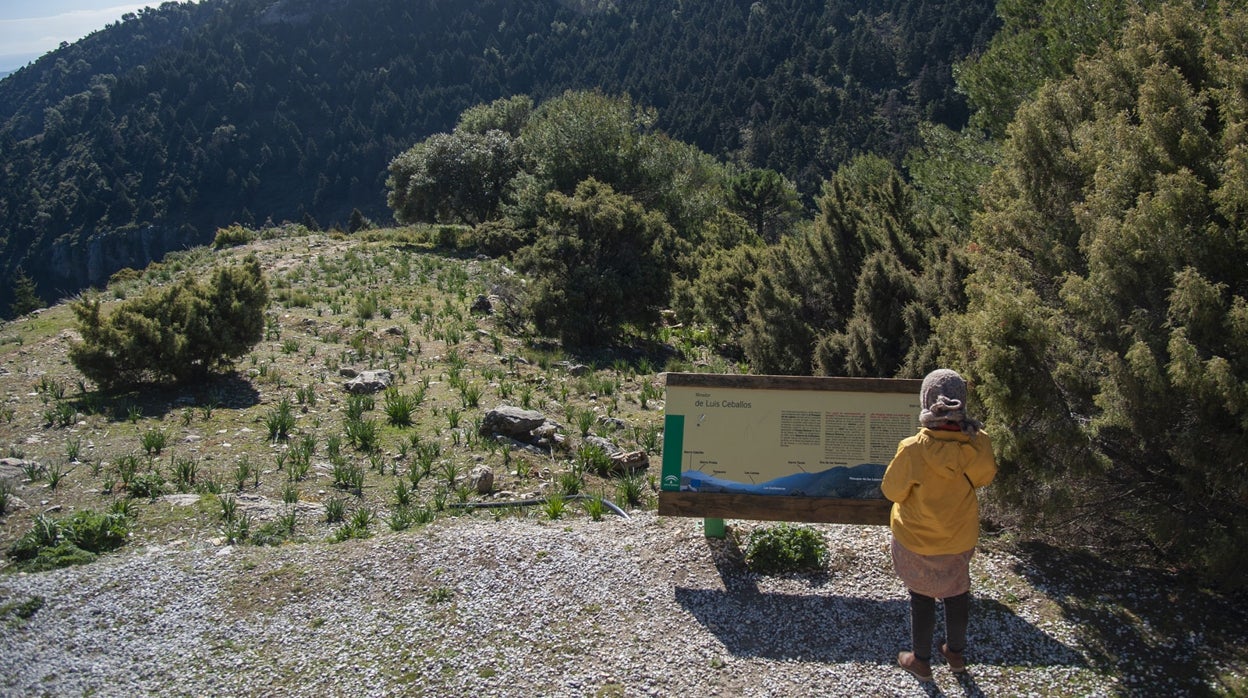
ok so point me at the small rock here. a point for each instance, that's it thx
(630, 461)
(482, 479)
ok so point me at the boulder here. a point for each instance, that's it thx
(512, 422)
(574, 369)
(369, 382)
(607, 447)
(14, 468)
(548, 437)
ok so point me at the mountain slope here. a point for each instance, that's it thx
(149, 134)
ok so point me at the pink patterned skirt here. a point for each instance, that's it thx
(937, 576)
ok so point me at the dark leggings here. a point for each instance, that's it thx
(923, 623)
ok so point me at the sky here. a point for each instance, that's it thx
(31, 28)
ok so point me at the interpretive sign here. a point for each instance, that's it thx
(782, 447)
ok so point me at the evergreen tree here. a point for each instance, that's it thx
(872, 343)
(457, 177)
(767, 200)
(579, 135)
(25, 296)
(807, 289)
(1107, 329)
(180, 333)
(600, 261)
(358, 222)
(1039, 40)
(722, 275)
(508, 115)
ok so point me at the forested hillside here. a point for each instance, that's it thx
(148, 135)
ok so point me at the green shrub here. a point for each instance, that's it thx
(785, 548)
(232, 236)
(150, 484)
(399, 407)
(357, 405)
(280, 420)
(335, 510)
(277, 531)
(180, 332)
(71, 540)
(596, 506)
(63, 554)
(600, 262)
(593, 458)
(348, 476)
(185, 472)
(20, 610)
(154, 441)
(356, 528)
(630, 489)
(555, 506)
(363, 434)
(94, 531)
(404, 517)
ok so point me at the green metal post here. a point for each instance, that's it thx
(713, 528)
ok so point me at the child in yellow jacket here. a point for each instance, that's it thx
(935, 517)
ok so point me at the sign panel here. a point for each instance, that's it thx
(784, 435)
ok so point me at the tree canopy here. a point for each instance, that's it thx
(177, 333)
(600, 261)
(1107, 330)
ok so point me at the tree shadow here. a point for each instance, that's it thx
(230, 390)
(822, 628)
(1151, 627)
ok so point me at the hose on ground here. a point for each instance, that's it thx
(530, 502)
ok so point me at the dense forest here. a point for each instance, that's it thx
(151, 133)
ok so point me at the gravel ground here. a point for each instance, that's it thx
(645, 606)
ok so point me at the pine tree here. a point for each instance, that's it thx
(180, 333)
(811, 290)
(1108, 319)
(25, 296)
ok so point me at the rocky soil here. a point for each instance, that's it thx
(522, 606)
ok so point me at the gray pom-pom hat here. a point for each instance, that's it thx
(943, 398)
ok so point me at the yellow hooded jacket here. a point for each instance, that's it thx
(931, 482)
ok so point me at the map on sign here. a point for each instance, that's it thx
(833, 442)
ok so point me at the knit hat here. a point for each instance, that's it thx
(943, 397)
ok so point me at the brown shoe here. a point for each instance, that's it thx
(957, 663)
(922, 670)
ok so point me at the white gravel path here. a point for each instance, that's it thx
(518, 607)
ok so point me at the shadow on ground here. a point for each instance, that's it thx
(230, 390)
(1159, 631)
(752, 623)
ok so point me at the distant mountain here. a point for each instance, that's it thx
(860, 481)
(149, 134)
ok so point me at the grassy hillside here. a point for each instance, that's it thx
(390, 302)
